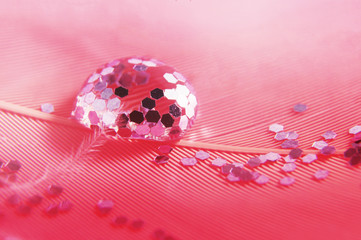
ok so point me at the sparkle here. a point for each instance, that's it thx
(165, 149)
(287, 181)
(104, 206)
(309, 158)
(275, 128)
(170, 78)
(355, 129)
(167, 120)
(171, 94)
(109, 118)
(161, 159)
(140, 67)
(107, 93)
(47, 108)
(262, 179)
(328, 150)
(295, 153)
(188, 161)
(329, 135)
(149, 63)
(190, 111)
(289, 167)
(321, 174)
(136, 117)
(157, 130)
(152, 116)
(299, 107)
(157, 93)
(290, 144)
(319, 144)
(292, 135)
(254, 162)
(99, 105)
(134, 61)
(202, 155)
(182, 101)
(148, 103)
(271, 156)
(142, 130)
(93, 118)
(182, 90)
(89, 98)
(107, 70)
(218, 162)
(281, 136)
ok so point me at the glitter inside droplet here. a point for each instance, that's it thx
(254, 162)
(295, 153)
(188, 161)
(218, 162)
(281, 136)
(328, 150)
(289, 144)
(289, 167)
(145, 91)
(202, 155)
(262, 179)
(329, 135)
(309, 158)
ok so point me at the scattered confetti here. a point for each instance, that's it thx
(309, 158)
(349, 152)
(47, 108)
(263, 158)
(12, 166)
(65, 206)
(271, 156)
(292, 135)
(13, 200)
(202, 155)
(289, 167)
(262, 180)
(23, 209)
(288, 159)
(161, 159)
(227, 168)
(275, 128)
(281, 136)
(137, 224)
(321, 174)
(188, 161)
(328, 150)
(52, 209)
(295, 153)
(319, 144)
(243, 174)
(232, 178)
(218, 162)
(299, 107)
(329, 135)
(287, 181)
(54, 190)
(119, 221)
(104, 206)
(35, 200)
(254, 162)
(290, 144)
(355, 129)
(355, 159)
(165, 149)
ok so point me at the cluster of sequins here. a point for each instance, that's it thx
(137, 98)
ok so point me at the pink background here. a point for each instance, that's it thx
(249, 61)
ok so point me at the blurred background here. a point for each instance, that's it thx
(250, 62)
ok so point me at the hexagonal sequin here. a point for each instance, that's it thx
(146, 92)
